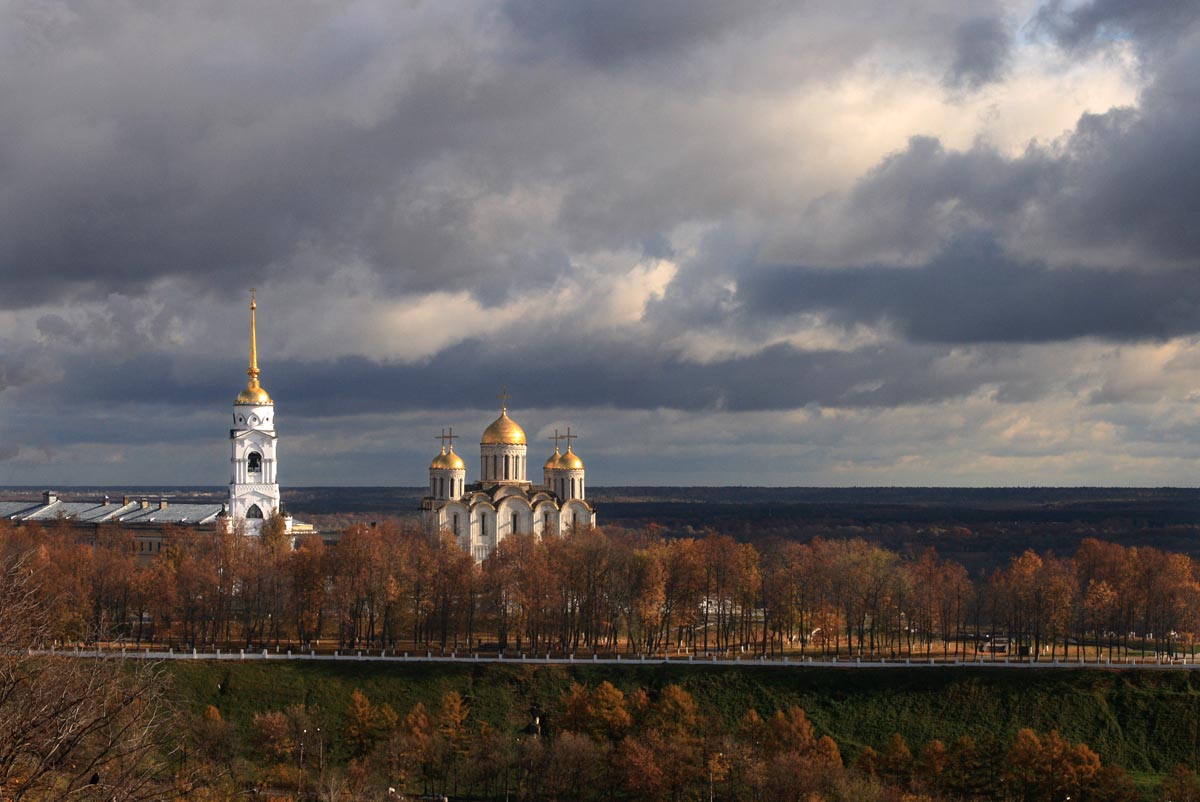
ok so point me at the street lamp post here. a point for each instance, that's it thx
(320, 754)
(303, 738)
(713, 763)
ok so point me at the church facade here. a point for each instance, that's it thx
(504, 501)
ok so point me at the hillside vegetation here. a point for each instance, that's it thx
(1146, 721)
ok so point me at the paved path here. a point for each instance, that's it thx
(1139, 663)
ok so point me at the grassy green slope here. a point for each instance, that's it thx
(1144, 721)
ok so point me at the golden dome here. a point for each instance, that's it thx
(253, 394)
(570, 461)
(552, 464)
(447, 461)
(503, 431)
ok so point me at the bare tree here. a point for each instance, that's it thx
(74, 728)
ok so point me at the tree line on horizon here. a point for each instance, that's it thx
(604, 591)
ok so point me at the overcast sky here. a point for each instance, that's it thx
(745, 242)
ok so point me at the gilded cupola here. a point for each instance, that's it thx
(570, 461)
(447, 461)
(503, 431)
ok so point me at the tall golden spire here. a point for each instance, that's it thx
(253, 371)
(254, 393)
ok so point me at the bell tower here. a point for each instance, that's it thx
(253, 487)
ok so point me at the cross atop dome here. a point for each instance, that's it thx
(447, 436)
(504, 430)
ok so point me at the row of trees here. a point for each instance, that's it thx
(591, 590)
(598, 743)
(103, 729)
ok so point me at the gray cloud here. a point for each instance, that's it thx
(22, 363)
(1150, 22)
(575, 374)
(1117, 190)
(973, 292)
(273, 152)
(431, 142)
(982, 53)
(609, 33)
(153, 165)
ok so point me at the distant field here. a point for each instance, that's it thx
(1146, 722)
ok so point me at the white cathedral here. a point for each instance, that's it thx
(504, 501)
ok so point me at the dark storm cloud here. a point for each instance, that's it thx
(1132, 178)
(928, 192)
(982, 53)
(230, 143)
(277, 154)
(597, 374)
(263, 152)
(22, 363)
(609, 32)
(974, 293)
(1149, 22)
(1126, 180)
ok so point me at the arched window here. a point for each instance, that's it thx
(507, 474)
(572, 487)
(254, 512)
(514, 523)
(442, 486)
(254, 462)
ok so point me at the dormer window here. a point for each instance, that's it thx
(254, 463)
